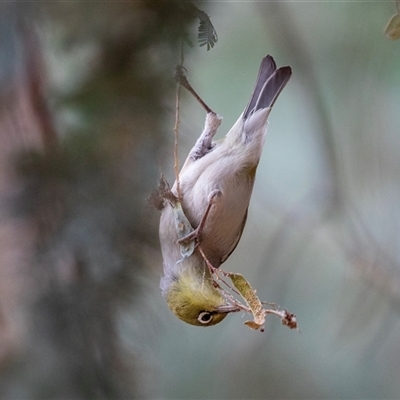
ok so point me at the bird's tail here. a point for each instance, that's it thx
(270, 82)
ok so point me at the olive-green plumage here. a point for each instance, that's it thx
(192, 294)
(218, 177)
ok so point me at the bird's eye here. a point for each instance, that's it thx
(205, 317)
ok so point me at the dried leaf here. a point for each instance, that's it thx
(392, 30)
(182, 224)
(254, 303)
(253, 325)
(183, 227)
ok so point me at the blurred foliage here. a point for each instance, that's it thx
(85, 159)
(86, 123)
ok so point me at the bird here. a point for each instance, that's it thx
(210, 202)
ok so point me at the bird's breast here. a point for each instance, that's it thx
(225, 221)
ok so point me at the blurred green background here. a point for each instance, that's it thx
(87, 107)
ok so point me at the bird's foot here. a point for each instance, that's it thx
(196, 233)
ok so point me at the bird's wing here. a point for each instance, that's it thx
(235, 243)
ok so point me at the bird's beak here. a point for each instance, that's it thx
(227, 308)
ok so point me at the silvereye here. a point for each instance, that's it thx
(215, 186)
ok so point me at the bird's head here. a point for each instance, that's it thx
(192, 297)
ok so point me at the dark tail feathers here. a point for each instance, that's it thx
(270, 82)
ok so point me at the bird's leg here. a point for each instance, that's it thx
(213, 121)
(204, 143)
(181, 78)
(196, 234)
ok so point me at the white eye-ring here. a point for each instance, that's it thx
(205, 317)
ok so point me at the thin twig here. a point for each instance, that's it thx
(176, 127)
(176, 135)
(214, 271)
(286, 317)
